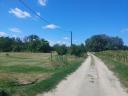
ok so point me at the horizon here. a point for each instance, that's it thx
(84, 18)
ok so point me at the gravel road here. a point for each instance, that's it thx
(92, 78)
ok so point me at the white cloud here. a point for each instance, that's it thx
(66, 38)
(17, 30)
(2, 34)
(19, 13)
(124, 30)
(51, 26)
(63, 42)
(42, 2)
(58, 42)
(51, 42)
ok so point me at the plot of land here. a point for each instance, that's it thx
(26, 74)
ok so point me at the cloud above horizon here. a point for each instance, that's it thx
(2, 34)
(51, 26)
(42, 2)
(19, 13)
(124, 30)
(15, 29)
(66, 38)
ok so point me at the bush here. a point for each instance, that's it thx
(78, 50)
(60, 49)
(7, 54)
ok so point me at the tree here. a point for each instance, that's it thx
(5, 44)
(30, 43)
(17, 45)
(60, 49)
(103, 42)
(77, 50)
(44, 46)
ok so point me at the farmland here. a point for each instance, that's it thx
(117, 61)
(26, 74)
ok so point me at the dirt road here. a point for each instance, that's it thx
(93, 78)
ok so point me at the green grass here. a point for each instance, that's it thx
(51, 82)
(27, 66)
(119, 66)
(23, 69)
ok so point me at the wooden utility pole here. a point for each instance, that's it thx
(71, 38)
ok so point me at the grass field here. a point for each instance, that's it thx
(117, 61)
(27, 74)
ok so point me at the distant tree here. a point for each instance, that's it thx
(17, 45)
(30, 43)
(77, 50)
(116, 43)
(5, 44)
(44, 46)
(125, 47)
(103, 42)
(60, 49)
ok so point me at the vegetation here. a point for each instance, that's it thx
(103, 42)
(31, 43)
(18, 69)
(27, 74)
(117, 61)
(78, 50)
(60, 49)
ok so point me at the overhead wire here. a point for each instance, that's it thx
(43, 19)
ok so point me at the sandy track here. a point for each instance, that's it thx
(92, 78)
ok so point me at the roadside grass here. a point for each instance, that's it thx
(51, 82)
(27, 74)
(23, 69)
(119, 66)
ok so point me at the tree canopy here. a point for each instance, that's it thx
(103, 42)
(33, 43)
(30, 43)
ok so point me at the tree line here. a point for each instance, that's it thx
(103, 42)
(30, 43)
(33, 43)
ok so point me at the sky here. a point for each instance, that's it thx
(84, 18)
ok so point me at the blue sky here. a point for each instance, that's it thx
(83, 17)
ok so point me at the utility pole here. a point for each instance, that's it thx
(71, 38)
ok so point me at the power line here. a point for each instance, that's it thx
(43, 19)
(34, 12)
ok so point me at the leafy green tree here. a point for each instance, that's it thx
(32, 43)
(17, 45)
(60, 49)
(77, 50)
(5, 44)
(44, 46)
(103, 42)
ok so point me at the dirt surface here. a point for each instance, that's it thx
(93, 78)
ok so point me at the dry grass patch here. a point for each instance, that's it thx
(24, 79)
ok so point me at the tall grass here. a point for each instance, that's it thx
(34, 63)
(117, 61)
